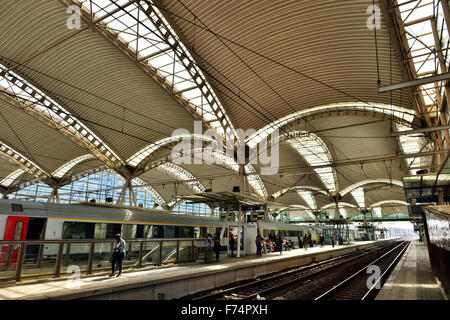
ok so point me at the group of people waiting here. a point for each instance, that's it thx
(307, 241)
(272, 244)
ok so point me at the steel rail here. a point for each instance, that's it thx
(346, 259)
(359, 272)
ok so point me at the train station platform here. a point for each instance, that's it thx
(175, 281)
(412, 278)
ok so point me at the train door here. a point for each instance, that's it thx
(16, 229)
(36, 231)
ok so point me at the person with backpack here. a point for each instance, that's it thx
(118, 255)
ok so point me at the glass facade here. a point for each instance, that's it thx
(199, 209)
(98, 186)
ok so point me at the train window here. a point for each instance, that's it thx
(158, 232)
(18, 230)
(139, 231)
(211, 231)
(16, 207)
(112, 230)
(170, 232)
(128, 231)
(186, 232)
(100, 231)
(78, 230)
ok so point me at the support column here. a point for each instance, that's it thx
(441, 198)
(337, 212)
(212, 211)
(127, 186)
(238, 253)
(54, 195)
(226, 222)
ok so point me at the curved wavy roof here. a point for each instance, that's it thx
(111, 94)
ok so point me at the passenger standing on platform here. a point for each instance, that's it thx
(300, 243)
(217, 246)
(208, 248)
(118, 255)
(258, 245)
(280, 243)
(310, 240)
(232, 244)
(321, 240)
(332, 240)
(305, 241)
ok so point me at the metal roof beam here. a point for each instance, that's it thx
(416, 82)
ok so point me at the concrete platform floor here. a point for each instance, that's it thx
(412, 278)
(134, 281)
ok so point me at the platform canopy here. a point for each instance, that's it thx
(89, 86)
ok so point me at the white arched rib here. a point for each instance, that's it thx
(399, 113)
(66, 167)
(137, 158)
(296, 188)
(341, 205)
(362, 183)
(141, 183)
(383, 202)
(254, 179)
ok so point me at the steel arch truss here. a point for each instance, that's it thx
(66, 167)
(383, 202)
(298, 188)
(23, 162)
(365, 182)
(398, 114)
(140, 30)
(30, 99)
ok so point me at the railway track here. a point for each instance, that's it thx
(265, 287)
(356, 287)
